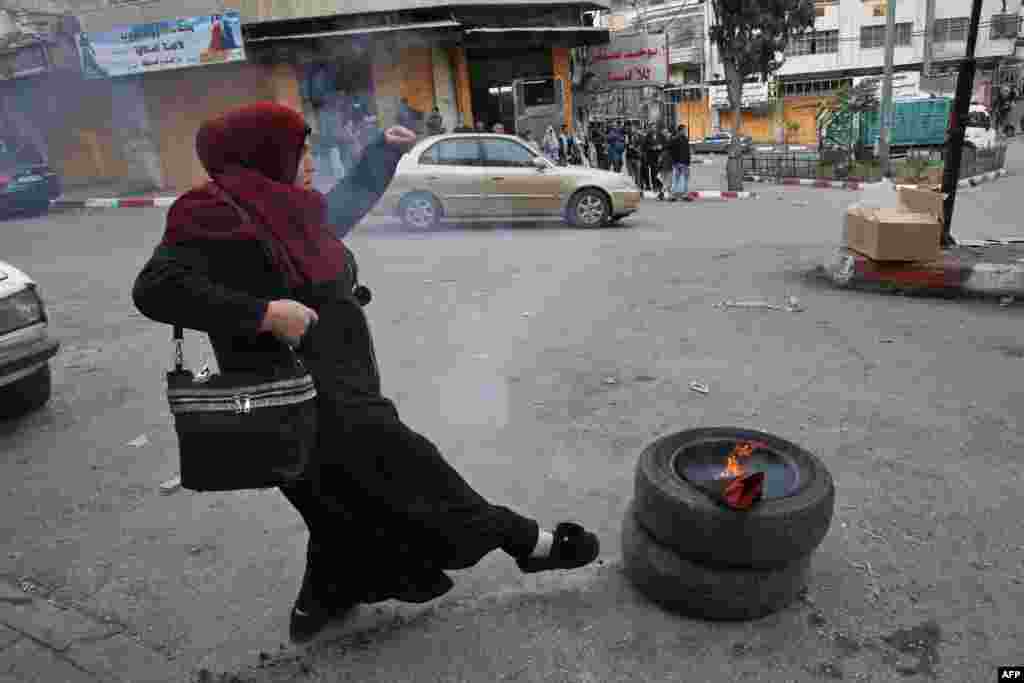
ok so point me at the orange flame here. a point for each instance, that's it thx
(733, 467)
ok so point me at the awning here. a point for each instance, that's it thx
(552, 36)
(430, 25)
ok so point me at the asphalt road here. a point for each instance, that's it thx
(541, 359)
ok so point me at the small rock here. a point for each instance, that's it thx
(170, 486)
(817, 619)
(610, 380)
(13, 596)
(527, 314)
(1006, 301)
(139, 442)
(801, 203)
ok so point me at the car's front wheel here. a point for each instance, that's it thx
(420, 211)
(589, 209)
(27, 394)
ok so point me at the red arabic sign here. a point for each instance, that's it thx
(631, 60)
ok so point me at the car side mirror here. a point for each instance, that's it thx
(540, 164)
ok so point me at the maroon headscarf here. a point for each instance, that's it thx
(252, 153)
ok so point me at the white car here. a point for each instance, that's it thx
(25, 344)
(482, 175)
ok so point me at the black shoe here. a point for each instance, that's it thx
(574, 547)
(318, 604)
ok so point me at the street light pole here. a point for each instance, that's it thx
(957, 125)
(887, 107)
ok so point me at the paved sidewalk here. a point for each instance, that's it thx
(42, 640)
(859, 184)
(983, 267)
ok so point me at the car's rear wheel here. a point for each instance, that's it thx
(27, 394)
(589, 209)
(420, 211)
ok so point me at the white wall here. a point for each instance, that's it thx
(848, 16)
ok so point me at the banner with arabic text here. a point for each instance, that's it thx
(170, 44)
(629, 61)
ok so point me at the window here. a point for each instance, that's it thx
(457, 152)
(539, 93)
(1004, 26)
(815, 88)
(814, 43)
(507, 153)
(872, 37)
(951, 30)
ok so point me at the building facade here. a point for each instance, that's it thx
(846, 45)
(350, 70)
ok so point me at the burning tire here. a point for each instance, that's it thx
(704, 592)
(787, 525)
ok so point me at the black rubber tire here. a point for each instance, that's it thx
(589, 194)
(771, 534)
(697, 590)
(27, 394)
(406, 204)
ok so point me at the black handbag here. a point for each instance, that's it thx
(241, 430)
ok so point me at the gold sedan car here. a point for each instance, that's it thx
(480, 175)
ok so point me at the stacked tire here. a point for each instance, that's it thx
(696, 557)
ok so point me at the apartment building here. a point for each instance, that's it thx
(847, 45)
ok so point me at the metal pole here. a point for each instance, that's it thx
(957, 125)
(887, 106)
(929, 23)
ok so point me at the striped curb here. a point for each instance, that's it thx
(710, 194)
(846, 268)
(113, 203)
(858, 185)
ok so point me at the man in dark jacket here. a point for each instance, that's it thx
(435, 122)
(679, 149)
(654, 143)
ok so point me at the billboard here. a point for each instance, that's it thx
(630, 61)
(170, 44)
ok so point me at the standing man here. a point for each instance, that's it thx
(655, 143)
(616, 147)
(480, 127)
(679, 147)
(435, 122)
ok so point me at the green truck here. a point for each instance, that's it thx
(918, 122)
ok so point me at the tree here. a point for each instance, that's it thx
(751, 37)
(836, 115)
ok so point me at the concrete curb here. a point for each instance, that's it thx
(710, 194)
(858, 185)
(948, 274)
(113, 203)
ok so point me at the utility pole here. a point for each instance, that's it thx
(888, 112)
(957, 125)
(929, 31)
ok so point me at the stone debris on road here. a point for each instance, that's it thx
(170, 486)
(700, 387)
(792, 305)
(139, 441)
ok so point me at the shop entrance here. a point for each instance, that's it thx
(492, 75)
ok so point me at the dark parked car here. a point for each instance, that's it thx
(719, 143)
(27, 183)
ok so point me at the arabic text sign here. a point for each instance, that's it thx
(631, 60)
(754, 94)
(171, 44)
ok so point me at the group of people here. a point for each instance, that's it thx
(657, 159)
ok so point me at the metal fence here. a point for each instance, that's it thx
(796, 165)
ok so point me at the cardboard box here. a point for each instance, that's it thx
(911, 232)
